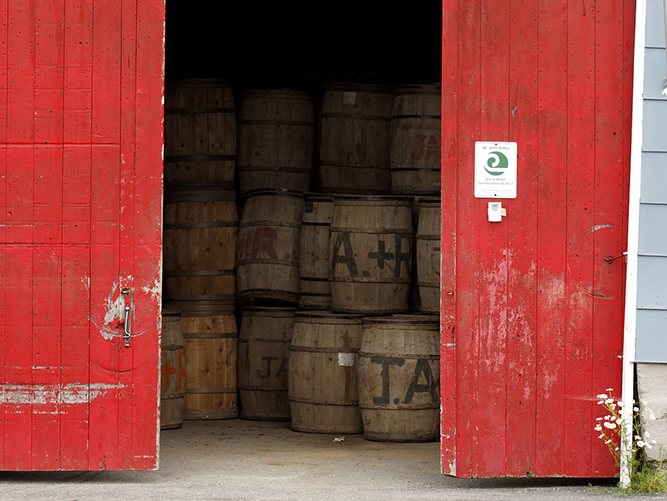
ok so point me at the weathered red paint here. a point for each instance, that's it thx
(531, 313)
(81, 86)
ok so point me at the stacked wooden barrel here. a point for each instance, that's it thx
(354, 244)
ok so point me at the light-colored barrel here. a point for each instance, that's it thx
(355, 122)
(172, 371)
(314, 257)
(370, 254)
(428, 254)
(211, 340)
(267, 259)
(263, 363)
(200, 231)
(199, 133)
(415, 140)
(276, 140)
(322, 374)
(399, 378)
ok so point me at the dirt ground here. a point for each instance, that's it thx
(249, 460)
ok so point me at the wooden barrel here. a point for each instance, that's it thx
(322, 373)
(263, 360)
(399, 378)
(211, 341)
(172, 371)
(199, 133)
(427, 253)
(355, 122)
(200, 230)
(415, 140)
(276, 140)
(267, 258)
(370, 252)
(314, 256)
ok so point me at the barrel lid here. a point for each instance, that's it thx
(199, 82)
(326, 314)
(276, 191)
(419, 88)
(356, 87)
(432, 321)
(199, 194)
(279, 93)
(347, 199)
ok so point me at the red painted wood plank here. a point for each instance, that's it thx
(49, 73)
(448, 338)
(467, 238)
(3, 299)
(46, 363)
(491, 420)
(580, 217)
(21, 71)
(147, 230)
(551, 253)
(522, 222)
(106, 352)
(129, 92)
(75, 356)
(76, 193)
(4, 29)
(48, 195)
(610, 177)
(18, 353)
(106, 70)
(78, 75)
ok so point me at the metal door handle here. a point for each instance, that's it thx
(127, 328)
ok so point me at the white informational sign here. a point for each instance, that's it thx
(495, 169)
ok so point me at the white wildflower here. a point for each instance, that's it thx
(646, 434)
(598, 419)
(602, 396)
(611, 426)
(636, 409)
(598, 428)
(640, 443)
(609, 389)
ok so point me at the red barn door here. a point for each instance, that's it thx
(532, 306)
(81, 194)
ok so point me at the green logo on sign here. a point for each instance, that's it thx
(497, 163)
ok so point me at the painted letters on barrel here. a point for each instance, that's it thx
(399, 378)
(263, 359)
(370, 254)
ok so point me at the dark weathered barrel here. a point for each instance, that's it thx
(415, 140)
(314, 257)
(276, 140)
(355, 123)
(263, 360)
(199, 133)
(322, 373)
(399, 378)
(173, 371)
(428, 255)
(200, 230)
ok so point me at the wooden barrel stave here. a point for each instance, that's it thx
(172, 381)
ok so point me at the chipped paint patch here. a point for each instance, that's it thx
(50, 394)
(598, 227)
